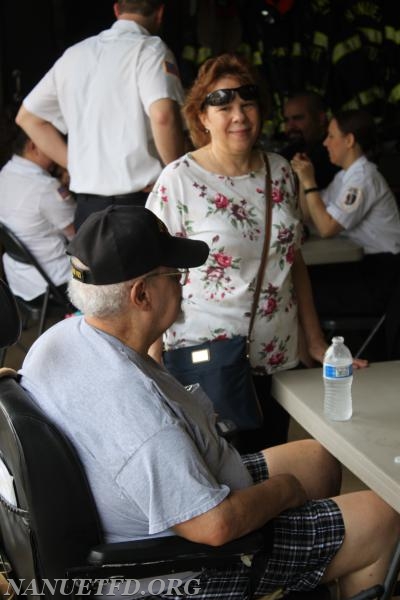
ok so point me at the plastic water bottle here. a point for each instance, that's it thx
(338, 377)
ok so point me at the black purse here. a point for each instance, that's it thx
(222, 367)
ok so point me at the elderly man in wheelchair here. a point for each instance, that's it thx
(155, 463)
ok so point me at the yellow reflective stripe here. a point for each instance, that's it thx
(268, 128)
(353, 103)
(316, 89)
(282, 51)
(346, 47)
(373, 35)
(189, 53)
(320, 39)
(368, 96)
(296, 49)
(244, 49)
(203, 53)
(394, 95)
(257, 58)
(392, 34)
(364, 98)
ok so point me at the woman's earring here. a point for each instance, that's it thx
(206, 131)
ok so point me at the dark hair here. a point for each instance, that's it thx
(315, 101)
(142, 7)
(19, 141)
(8, 132)
(361, 124)
(213, 69)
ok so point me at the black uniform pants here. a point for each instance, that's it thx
(90, 203)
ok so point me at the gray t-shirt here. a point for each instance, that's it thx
(149, 447)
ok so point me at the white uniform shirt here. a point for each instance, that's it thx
(36, 207)
(360, 200)
(229, 214)
(100, 92)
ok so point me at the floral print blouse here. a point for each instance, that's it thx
(229, 214)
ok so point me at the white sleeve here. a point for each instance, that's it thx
(167, 200)
(43, 101)
(353, 202)
(57, 206)
(158, 75)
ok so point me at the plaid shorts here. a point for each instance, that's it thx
(305, 540)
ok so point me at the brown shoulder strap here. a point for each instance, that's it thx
(267, 239)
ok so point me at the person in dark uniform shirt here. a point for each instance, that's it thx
(306, 123)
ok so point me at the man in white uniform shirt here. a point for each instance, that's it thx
(40, 211)
(117, 96)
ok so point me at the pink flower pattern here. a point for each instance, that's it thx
(284, 243)
(195, 205)
(216, 273)
(241, 215)
(274, 352)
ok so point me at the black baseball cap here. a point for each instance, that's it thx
(123, 242)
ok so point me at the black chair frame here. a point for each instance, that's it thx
(11, 322)
(17, 250)
(55, 531)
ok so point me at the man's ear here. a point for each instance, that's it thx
(350, 140)
(140, 296)
(30, 146)
(160, 15)
(116, 10)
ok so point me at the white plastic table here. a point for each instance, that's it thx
(369, 443)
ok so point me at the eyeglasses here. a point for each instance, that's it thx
(182, 276)
(225, 96)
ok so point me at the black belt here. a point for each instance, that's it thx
(114, 197)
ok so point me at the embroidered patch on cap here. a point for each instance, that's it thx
(64, 192)
(171, 68)
(351, 200)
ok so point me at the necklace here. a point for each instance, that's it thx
(233, 170)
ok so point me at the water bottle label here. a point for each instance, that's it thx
(334, 372)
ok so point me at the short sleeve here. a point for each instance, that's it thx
(173, 485)
(351, 204)
(43, 101)
(57, 206)
(167, 200)
(158, 75)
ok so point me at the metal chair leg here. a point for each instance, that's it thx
(392, 574)
(43, 311)
(385, 591)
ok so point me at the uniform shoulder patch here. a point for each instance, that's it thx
(171, 68)
(351, 199)
(63, 192)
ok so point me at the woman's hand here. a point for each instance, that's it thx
(304, 169)
(360, 363)
(318, 348)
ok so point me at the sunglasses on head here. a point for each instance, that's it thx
(225, 96)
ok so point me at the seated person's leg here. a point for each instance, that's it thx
(317, 470)
(372, 529)
(351, 537)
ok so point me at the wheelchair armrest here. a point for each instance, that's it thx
(370, 594)
(175, 553)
